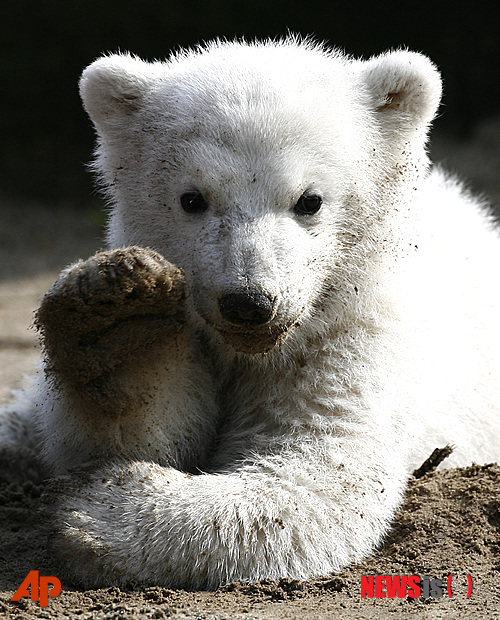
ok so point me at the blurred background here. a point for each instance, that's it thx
(50, 211)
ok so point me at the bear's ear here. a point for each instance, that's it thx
(405, 89)
(112, 87)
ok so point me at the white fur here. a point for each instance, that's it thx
(387, 300)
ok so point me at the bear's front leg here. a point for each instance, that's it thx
(121, 379)
(309, 509)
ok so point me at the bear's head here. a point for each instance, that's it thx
(266, 171)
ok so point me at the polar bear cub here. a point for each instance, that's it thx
(293, 313)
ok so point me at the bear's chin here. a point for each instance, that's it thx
(253, 342)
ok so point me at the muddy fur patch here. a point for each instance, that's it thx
(106, 312)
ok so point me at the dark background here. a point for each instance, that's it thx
(46, 137)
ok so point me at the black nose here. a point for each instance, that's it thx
(249, 308)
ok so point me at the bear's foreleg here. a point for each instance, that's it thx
(304, 512)
(120, 376)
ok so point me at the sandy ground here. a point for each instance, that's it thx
(449, 524)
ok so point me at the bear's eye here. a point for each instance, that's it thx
(308, 204)
(193, 202)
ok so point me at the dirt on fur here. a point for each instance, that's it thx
(85, 320)
(448, 525)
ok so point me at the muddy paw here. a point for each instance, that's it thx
(100, 314)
